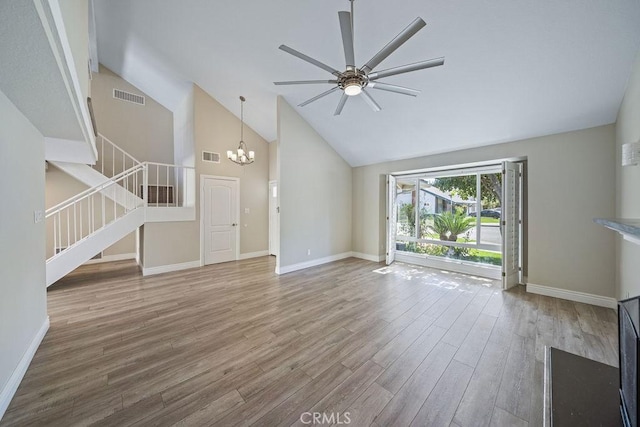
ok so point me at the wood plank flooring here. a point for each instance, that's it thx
(235, 344)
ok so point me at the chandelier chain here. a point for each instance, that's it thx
(242, 118)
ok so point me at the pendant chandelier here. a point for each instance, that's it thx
(242, 156)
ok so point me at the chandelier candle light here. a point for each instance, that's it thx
(242, 156)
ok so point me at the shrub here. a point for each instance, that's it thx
(448, 225)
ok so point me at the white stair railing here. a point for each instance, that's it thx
(112, 160)
(132, 184)
(168, 185)
(75, 219)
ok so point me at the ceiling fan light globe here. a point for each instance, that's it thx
(353, 89)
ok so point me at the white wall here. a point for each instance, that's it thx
(23, 310)
(273, 160)
(571, 180)
(315, 193)
(183, 137)
(628, 186)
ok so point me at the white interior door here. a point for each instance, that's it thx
(220, 220)
(274, 233)
(391, 219)
(510, 224)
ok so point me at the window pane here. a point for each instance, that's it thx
(445, 203)
(406, 205)
(491, 212)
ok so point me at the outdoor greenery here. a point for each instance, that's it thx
(465, 254)
(448, 225)
(452, 226)
(406, 219)
(465, 187)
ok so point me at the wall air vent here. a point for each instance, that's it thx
(209, 156)
(128, 96)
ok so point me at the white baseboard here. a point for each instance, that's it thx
(150, 271)
(11, 387)
(374, 258)
(576, 296)
(111, 258)
(312, 263)
(254, 254)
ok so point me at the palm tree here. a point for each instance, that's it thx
(448, 225)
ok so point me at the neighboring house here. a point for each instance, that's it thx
(435, 201)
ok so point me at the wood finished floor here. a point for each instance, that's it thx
(234, 344)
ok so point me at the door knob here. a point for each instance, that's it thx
(234, 224)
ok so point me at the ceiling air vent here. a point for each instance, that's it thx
(128, 96)
(210, 156)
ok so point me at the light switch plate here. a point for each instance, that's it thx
(37, 216)
(246, 210)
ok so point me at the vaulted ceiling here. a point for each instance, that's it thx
(513, 70)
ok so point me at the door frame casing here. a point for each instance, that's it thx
(201, 219)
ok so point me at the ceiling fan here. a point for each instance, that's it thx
(354, 81)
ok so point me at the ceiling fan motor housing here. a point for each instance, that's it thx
(351, 78)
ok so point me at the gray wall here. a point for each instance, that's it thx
(628, 186)
(315, 192)
(217, 129)
(23, 304)
(75, 14)
(144, 131)
(571, 180)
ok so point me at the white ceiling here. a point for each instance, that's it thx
(514, 69)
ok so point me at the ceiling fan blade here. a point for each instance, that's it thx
(347, 38)
(394, 44)
(369, 100)
(309, 59)
(304, 82)
(315, 98)
(343, 101)
(407, 68)
(393, 88)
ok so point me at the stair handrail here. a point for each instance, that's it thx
(122, 154)
(84, 214)
(183, 176)
(96, 188)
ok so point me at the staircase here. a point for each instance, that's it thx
(124, 194)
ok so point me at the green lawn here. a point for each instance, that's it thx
(485, 257)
